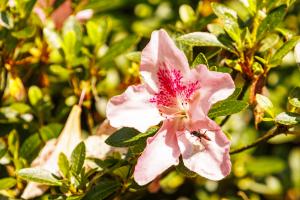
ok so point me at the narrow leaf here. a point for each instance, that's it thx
(200, 59)
(63, 164)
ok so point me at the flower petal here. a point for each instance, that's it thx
(214, 86)
(209, 158)
(161, 152)
(133, 109)
(160, 51)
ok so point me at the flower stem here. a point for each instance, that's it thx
(271, 133)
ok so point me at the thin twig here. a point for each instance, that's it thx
(271, 133)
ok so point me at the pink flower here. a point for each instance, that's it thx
(180, 97)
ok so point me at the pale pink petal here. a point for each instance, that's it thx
(209, 159)
(133, 109)
(161, 51)
(214, 86)
(33, 190)
(84, 14)
(62, 13)
(161, 152)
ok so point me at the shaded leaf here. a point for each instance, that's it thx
(200, 59)
(102, 190)
(262, 166)
(30, 147)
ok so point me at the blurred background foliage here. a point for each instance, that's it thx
(51, 51)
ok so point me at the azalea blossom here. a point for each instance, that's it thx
(180, 97)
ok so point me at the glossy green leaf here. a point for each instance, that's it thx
(35, 95)
(294, 97)
(200, 39)
(63, 164)
(101, 191)
(119, 48)
(283, 50)
(268, 42)
(77, 158)
(227, 107)
(126, 137)
(39, 175)
(271, 21)
(7, 183)
(287, 118)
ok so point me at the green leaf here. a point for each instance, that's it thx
(77, 158)
(263, 166)
(134, 56)
(27, 32)
(102, 190)
(200, 59)
(119, 48)
(20, 107)
(39, 175)
(63, 164)
(3, 148)
(283, 50)
(126, 137)
(232, 28)
(6, 20)
(269, 42)
(287, 118)
(271, 21)
(297, 53)
(265, 103)
(200, 39)
(31, 146)
(187, 14)
(50, 131)
(122, 172)
(294, 97)
(35, 95)
(98, 31)
(7, 183)
(227, 107)
(294, 163)
(221, 10)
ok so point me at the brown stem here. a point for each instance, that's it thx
(271, 133)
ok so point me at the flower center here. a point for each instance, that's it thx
(174, 94)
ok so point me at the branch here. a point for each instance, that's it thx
(271, 133)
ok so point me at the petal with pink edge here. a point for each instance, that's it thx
(133, 109)
(161, 51)
(214, 86)
(161, 152)
(208, 158)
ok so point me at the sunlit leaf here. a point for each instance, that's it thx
(38, 175)
(227, 107)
